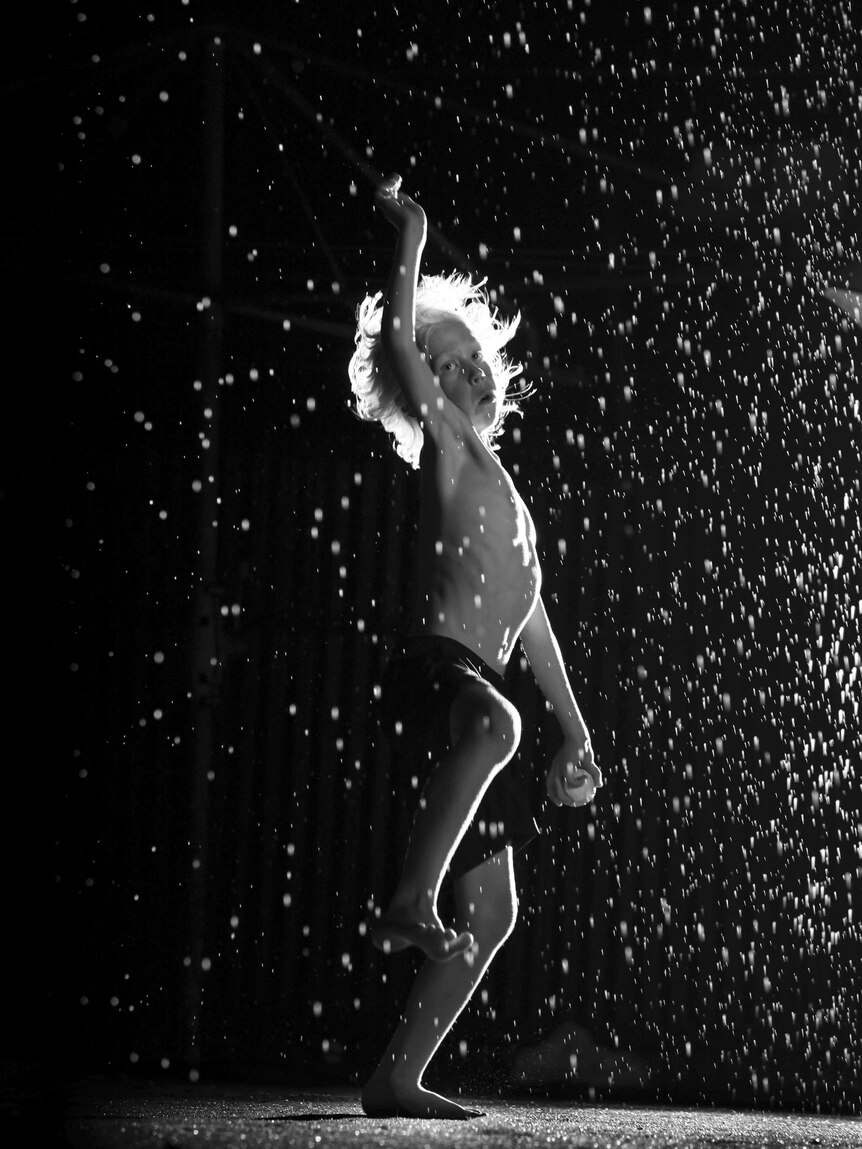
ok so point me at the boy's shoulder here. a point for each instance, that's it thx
(454, 447)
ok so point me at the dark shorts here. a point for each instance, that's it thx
(422, 680)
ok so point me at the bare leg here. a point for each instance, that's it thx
(485, 732)
(486, 906)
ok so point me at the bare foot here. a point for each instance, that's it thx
(436, 943)
(383, 1098)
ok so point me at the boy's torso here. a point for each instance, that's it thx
(479, 575)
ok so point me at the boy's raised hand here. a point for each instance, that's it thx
(566, 783)
(401, 211)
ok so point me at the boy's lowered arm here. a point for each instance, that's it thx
(546, 662)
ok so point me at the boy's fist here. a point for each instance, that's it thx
(401, 211)
(574, 776)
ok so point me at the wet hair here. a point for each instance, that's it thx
(439, 298)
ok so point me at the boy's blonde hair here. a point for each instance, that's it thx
(439, 298)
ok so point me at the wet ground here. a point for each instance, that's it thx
(142, 1115)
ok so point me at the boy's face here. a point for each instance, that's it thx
(455, 357)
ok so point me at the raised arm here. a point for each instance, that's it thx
(398, 332)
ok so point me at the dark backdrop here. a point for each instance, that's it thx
(212, 554)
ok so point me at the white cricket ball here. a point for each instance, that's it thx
(582, 788)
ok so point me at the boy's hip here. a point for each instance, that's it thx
(423, 678)
(442, 654)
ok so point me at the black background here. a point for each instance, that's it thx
(667, 200)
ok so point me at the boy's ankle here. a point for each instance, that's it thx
(401, 1075)
(412, 908)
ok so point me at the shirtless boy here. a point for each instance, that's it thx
(429, 367)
